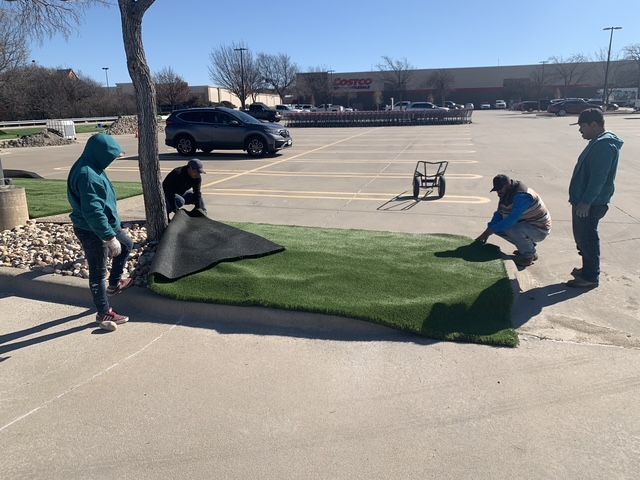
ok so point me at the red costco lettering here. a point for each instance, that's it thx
(352, 82)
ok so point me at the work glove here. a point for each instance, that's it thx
(114, 247)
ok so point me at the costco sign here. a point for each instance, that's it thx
(353, 83)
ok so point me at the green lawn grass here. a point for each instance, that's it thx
(49, 197)
(438, 286)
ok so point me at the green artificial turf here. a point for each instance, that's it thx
(439, 286)
(49, 197)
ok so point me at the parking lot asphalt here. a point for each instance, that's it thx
(172, 395)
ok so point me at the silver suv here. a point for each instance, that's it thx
(222, 128)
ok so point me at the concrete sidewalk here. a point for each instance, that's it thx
(207, 391)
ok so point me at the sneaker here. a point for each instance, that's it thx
(109, 321)
(580, 282)
(523, 261)
(122, 285)
(534, 258)
(576, 272)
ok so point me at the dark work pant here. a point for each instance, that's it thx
(178, 201)
(96, 253)
(585, 233)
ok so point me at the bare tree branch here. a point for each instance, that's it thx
(44, 18)
(13, 45)
(397, 74)
(569, 70)
(171, 88)
(233, 67)
(278, 72)
(442, 82)
(632, 52)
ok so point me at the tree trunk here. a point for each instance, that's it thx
(131, 12)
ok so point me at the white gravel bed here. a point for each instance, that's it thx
(54, 248)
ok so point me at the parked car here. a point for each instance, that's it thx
(452, 105)
(500, 104)
(422, 106)
(305, 107)
(526, 106)
(285, 110)
(402, 105)
(610, 106)
(570, 106)
(222, 128)
(469, 105)
(485, 106)
(263, 112)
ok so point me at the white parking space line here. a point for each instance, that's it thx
(404, 152)
(460, 176)
(366, 160)
(353, 196)
(288, 158)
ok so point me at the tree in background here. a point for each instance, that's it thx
(13, 44)
(278, 72)
(171, 88)
(314, 85)
(396, 75)
(233, 67)
(570, 71)
(442, 82)
(378, 99)
(632, 52)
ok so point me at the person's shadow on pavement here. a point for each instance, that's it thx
(8, 347)
(530, 303)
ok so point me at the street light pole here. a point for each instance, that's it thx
(106, 74)
(543, 62)
(330, 72)
(244, 96)
(605, 95)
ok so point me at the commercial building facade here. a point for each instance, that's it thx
(367, 90)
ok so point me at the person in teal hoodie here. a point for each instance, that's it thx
(96, 223)
(590, 191)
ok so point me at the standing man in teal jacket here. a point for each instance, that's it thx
(96, 223)
(590, 191)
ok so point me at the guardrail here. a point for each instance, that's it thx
(31, 123)
(379, 118)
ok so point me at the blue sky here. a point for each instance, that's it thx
(346, 36)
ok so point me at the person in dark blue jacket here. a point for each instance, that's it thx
(590, 191)
(96, 223)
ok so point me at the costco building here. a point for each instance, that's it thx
(371, 90)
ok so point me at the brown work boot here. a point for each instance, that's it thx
(110, 320)
(580, 282)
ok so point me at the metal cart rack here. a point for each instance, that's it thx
(423, 178)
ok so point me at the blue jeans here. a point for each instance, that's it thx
(585, 233)
(179, 201)
(96, 254)
(524, 236)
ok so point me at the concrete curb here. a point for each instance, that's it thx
(144, 305)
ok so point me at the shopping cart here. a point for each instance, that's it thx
(423, 178)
